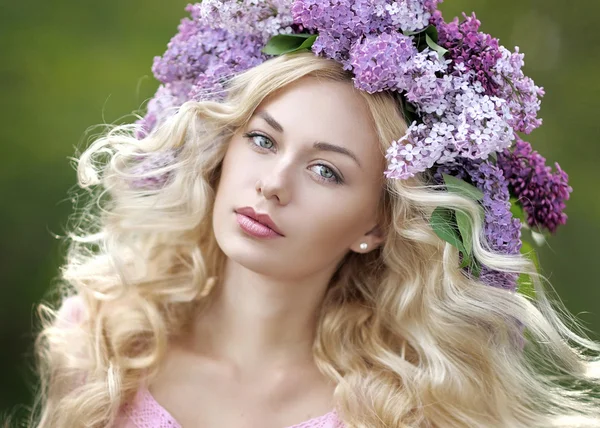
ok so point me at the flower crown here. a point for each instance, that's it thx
(464, 97)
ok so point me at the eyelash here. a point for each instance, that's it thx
(250, 137)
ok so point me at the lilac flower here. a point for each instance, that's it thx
(261, 18)
(494, 278)
(364, 16)
(408, 15)
(164, 103)
(190, 54)
(145, 172)
(468, 103)
(473, 126)
(499, 71)
(521, 92)
(502, 231)
(210, 85)
(378, 60)
(338, 22)
(201, 57)
(541, 192)
(477, 52)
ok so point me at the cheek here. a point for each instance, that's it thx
(335, 222)
(235, 173)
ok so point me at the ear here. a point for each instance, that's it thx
(373, 238)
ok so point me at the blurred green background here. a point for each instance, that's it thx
(67, 65)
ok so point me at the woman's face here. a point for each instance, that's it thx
(309, 158)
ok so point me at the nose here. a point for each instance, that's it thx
(276, 182)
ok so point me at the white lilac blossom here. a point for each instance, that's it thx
(409, 15)
(473, 125)
(260, 18)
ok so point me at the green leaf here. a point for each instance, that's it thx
(410, 112)
(430, 31)
(466, 232)
(461, 187)
(307, 44)
(435, 47)
(466, 261)
(517, 210)
(475, 269)
(419, 39)
(427, 37)
(410, 107)
(525, 286)
(443, 223)
(287, 43)
(524, 283)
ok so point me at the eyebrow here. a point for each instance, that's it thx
(319, 145)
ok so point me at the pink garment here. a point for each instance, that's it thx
(145, 412)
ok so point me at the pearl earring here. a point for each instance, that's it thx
(363, 246)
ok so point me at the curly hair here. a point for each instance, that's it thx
(409, 338)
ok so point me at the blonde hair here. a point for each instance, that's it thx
(409, 339)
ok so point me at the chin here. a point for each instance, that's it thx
(255, 255)
(259, 262)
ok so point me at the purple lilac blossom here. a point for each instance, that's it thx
(390, 61)
(260, 18)
(497, 69)
(145, 176)
(190, 54)
(379, 59)
(340, 23)
(408, 15)
(502, 231)
(165, 102)
(219, 41)
(541, 192)
(473, 125)
(202, 56)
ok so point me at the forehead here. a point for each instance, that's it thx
(313, 109)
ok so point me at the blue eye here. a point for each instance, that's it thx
(329, 176)
(257, 140)
(260, 141)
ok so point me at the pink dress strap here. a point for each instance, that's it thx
(145, 412)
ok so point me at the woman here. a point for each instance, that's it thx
(252, 262)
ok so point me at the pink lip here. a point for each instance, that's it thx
(257, 224)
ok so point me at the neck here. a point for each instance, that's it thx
(257, 321)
